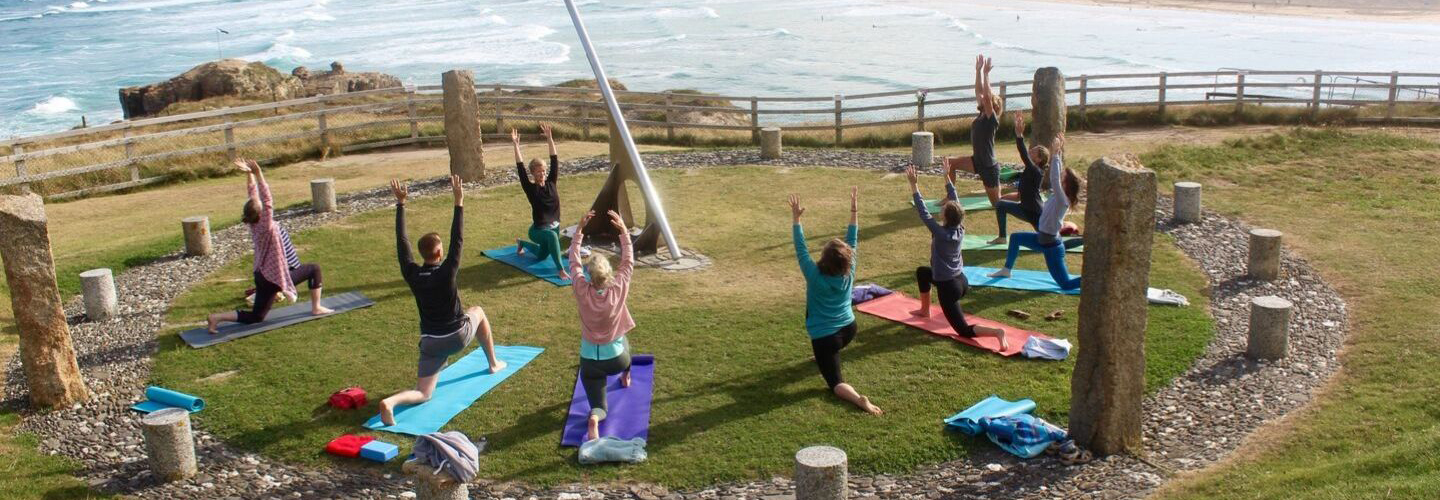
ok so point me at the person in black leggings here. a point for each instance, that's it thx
(947, 269)
(1032, 180)
(982, 141)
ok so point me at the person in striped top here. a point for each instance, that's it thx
(277, 265)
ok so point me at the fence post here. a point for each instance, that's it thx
(19, 149)
(920, 115)
(839, 132)
(584, 120)
(1394, 94)
(411, 112)
(755, 120)
(499, 122)
(669, 120)
(1163, 78)
(324, 135)
(1315, 101)
(1003, 101)
(230, 136)
(130, 153)
(1084, 83)
(1239, 92)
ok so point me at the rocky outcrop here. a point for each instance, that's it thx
(248, 81)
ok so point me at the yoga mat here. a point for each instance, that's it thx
(982, 242)
(968, 421)
(278, 318)
(629, 415)
(967, 203)
(460, 384)
(896, 307)
(540, 268)
(1020, 279)
(1009, 173)
(159, 398)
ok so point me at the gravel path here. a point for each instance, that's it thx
(1195, 421)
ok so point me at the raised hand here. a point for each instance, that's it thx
(514, 137)
(399, 190)
(458, 187)
(795, 209)
(1019, 119)
(617, 221)
(913, 176)
(979, 63)
(545, 129)
(242, 166)
(1059, 144)
(989, 64)
(854, 199)
(585, 219)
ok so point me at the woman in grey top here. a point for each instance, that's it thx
(1052, 217)
(946, 271)
(982, 140)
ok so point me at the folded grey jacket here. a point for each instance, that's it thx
(451, 451)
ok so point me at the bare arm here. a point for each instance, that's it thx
(549, 139)
(575, 242)
(515, 144)
(982, 87)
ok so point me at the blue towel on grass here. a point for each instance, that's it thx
(459, 386)
(540, 268)
(1020, 279)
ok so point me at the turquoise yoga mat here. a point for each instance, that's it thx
(968, 421)
(967, 203)
(159, 398)
(540, 268)
(459, 386)
(981, 242)
(1020, 279)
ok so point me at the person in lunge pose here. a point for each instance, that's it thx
(604, 318)
(544, 196)
(829, 319)
(277, 265)
(982, 141)
(1032, 180)
(1046, 239)
(946, 271)
(445, 329)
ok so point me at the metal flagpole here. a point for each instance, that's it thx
(656, 210)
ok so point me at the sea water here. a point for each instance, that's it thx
(61, 60)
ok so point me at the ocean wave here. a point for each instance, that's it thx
(777, 33)
(280, 54)
(886, 11)
(54, 105)
(644, 43)
(697, 12)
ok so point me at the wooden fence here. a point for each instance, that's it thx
(120, 155)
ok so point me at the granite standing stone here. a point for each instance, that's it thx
(462, 125)
(1047, 114)
(1108, 384)
(46, 355)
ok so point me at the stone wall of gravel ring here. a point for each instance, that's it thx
(1202, 416)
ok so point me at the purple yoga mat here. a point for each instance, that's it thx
(629, 414)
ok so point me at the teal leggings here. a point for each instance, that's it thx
(546, 245)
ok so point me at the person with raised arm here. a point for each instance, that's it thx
(1046, 239)
(946, 271)
(277, 265)
(540, 188)
(600, 294)
(982, 141)
(445, 328)
(829, 319)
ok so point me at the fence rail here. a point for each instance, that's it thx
(90, 160)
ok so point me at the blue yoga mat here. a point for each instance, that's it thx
(540, 268)
(1020, 279)
(968, 421)
(459, 386)
(159, 398)
(278, 318)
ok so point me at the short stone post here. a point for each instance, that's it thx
(821, 473)
(1264, 254)
(322, 195)
(770, 143)
(1269, 328)
(98, 286)
(47, 356)
(922, 149)
(197, 235)
(1108, 383)
(433, 485)
(462, 125)
(169, 443)
(1187, 202)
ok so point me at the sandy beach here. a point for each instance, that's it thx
(1411, 11)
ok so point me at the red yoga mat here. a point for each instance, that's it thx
(896, 307)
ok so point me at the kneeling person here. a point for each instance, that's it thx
(445, 329)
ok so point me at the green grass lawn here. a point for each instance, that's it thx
(736, 393)
(1365, 208)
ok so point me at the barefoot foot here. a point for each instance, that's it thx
(921, 313)
(321, 310)
(498, 366)
(999, 240)
(1003, 273)
(593, 431)
(387, 413)
(625, 379)
(869, 407)
(212, 325)
(519, 249)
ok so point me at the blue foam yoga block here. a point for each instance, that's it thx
(379, 451)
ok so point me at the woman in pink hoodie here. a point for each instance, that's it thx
(604, 318)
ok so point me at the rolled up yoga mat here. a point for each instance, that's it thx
(159, 398)
(992, 407)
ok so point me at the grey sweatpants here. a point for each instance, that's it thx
(593, 374)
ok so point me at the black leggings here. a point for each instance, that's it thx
(265, 291)
(950, 293)
(827, 353)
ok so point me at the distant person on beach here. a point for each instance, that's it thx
(445, 328)
(982, 141)
(277, 265)
(540, 188)
(1046, 238)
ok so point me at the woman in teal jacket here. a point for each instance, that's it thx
(828, 317)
